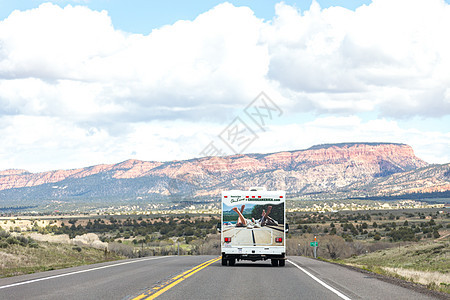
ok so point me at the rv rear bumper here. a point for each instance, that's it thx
(252, 256)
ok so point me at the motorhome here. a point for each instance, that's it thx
(253, 226)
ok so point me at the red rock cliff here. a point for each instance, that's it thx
(319, 168)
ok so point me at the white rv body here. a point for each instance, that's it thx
(253, 226)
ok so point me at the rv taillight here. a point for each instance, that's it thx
(281, 196)
(246, 196)
(227, 240)
(253, 196)
(259, 196)
(225, 196)
(277, 240)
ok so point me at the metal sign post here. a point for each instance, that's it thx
(315, 245)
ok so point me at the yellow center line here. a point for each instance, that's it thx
(174, 281)
(184, 273)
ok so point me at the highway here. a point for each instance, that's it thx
(203, 277)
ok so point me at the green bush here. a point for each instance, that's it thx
(12, 240)
(4, 234)
(402, 234)
(23, 241)
(33, 244)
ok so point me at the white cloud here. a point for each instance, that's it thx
(347, 57)
(209, 61)
(46, 143)
(39, 143)
(54, 43)
(431, 146)
(381, 57)
(74, 88)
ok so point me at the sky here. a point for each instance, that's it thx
(102, 81)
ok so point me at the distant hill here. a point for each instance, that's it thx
(347, 168)
(429, 181)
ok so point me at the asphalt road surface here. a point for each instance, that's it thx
(203, 277)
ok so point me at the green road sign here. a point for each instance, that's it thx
(314, 244)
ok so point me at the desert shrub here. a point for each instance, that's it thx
(4, 234)
(208, 246)
(402, 234)
(122, 249)
(330, 246)
(372, 247)
(33, 244)
(359, 248)
(335, 246)
(7, 239)
(23, 241)
(12, 240)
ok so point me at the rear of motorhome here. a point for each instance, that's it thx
(253, 226)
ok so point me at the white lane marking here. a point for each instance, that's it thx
(321, 282)
(78, 272)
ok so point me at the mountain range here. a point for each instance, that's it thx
(345, 169)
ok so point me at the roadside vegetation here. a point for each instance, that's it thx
(413, 245)
(7, 240)
(340, 234)
(354, 237)
(136, 236)
(20, 255)
(344, 234)
(426, 263)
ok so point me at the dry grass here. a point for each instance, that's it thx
(431, 256)
(208, 246)
(18, 260)
(422, 277)
(423, 263)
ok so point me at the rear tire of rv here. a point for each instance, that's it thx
(224, 261)
(282, 262)
(274, 262)
(232, 261)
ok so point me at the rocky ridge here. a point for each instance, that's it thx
(319, 169)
